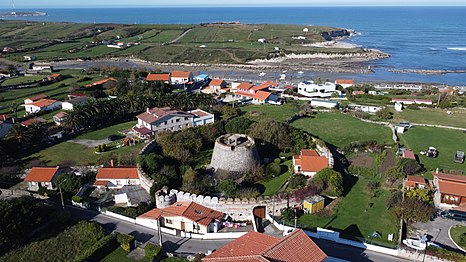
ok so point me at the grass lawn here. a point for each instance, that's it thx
(78, 154)
(456, 232)
(108, 131)
(119, 255)
(340, 129)
(273, 185)
(433, 116)
(279, 113)
(353, 216)
(446, 141)
(23, 80)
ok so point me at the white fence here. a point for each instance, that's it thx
(118, 216)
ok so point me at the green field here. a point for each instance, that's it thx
(79, 154)
(236, 43)
(106, 132)
(433, 117)
(456, 232)
(354, 217)
(119, 255)
(446, 141)
(273, 185)
(278, 113)
(340, 130)
(23, 80)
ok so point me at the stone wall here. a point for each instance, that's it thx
(237, 209)
(146, 181)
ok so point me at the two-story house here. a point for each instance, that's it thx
(116, 177)
(181, 77)
(42, 177)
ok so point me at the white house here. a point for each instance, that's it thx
(366, 108)
(345, 83)
(264, 97)
(29, 58)
(70, 104)
(34, 98)
(324, 103)
(42, 105)
(188, 217)
(216, 86)
(166, 120)
(42, 177)
(310, 89)
(181, 77)
(306, 30)
(309, 162)
(398, 107)
(412, 101)
(116, 177)
(42, 67)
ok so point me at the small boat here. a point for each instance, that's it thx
(262, 74)
(300, 72)
(414, 243)
(282, 77)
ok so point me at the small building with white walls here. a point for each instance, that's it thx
(310, 89)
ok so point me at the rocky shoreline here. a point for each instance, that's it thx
(428, 71)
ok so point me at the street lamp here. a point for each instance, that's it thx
(61, 194)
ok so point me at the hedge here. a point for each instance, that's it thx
(152, 251)
(100, 250)
(126, 242)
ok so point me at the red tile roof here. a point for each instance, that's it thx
(158, 77)
(43, 102)
(409, 154)
(254, 246)
(261, 95)
(5, 117)
(53, 76)
(156, 113)
(33, 120)
(60, 115)
(181, 74)
(190, 210)
(101, 183)
(263, 86)
(142, 130)
(451, 184)
(344, 81)
(106, 173)
(244, 86)
(356, 93)
(309, 152)
(450, 177)
(41, 174)
(199, 113)
(241, 93)
(416, 179)
(37, 97)
(217, 82)
(101, 82)
(310, 161)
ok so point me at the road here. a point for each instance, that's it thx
(191, 246)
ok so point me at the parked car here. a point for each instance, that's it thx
(454, 214)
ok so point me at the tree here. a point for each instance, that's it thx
(273, 170)
(273, 132)
(422, 194)
(70, 182)
(414, 210)
(384, 113)
(331, 180)
(12, 70)
(227, 187)
(394, 173)
(239, 125)
(14, 108)
(297, 181)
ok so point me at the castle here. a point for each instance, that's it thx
(234, 153)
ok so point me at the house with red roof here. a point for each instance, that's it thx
(309, 162)
(101, 82)
(414, 182)
(264, 97)
(35, 120)
(254, 246)
(407, 153)
(167, 120)
(181, 77)
(116, 177)
(345, 83)
(162, 77)
(216, 86)
(59, 118)
(188, 217)
(34, 98)
(42, 105)
(42, 177)
(450, 189)
(54, 77)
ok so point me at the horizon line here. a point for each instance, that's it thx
(219, 6)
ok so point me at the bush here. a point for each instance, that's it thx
(361, 171)
(99, 250)
(331, 180)
(273, 169)
(445, 254)
(126, 242)
(77, 199)
(248, 192)
(228, 187)
(297, 181)
(151, 251)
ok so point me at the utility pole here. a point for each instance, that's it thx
(159, 231)
(61, 196)
(295, 219)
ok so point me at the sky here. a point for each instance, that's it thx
(7, 4)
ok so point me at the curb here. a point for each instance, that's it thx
(449, 235)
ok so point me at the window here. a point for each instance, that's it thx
(166, 122)
(197, 227)
(168, 221)
(177, 120)
(186, 118)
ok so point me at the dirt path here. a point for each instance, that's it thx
(89, 142)
(179, 37)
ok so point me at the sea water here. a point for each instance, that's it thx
(420, 38)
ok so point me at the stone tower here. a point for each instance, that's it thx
(234, 153)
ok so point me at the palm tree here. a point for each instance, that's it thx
(14, 108)
(19, 135)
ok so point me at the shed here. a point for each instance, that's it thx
(313, 204)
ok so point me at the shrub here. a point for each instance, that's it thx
(126, 242)
(98, 250)
(445, 254)
(273, 169)
(361, 171)
(248, 192)
(228, 187)
(77, 199)
(151, 251)
(297, 181)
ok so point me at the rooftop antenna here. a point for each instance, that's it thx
(14, 7)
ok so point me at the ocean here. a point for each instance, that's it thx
(419, 38)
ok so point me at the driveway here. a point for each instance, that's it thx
(437, 229)
(89, 142)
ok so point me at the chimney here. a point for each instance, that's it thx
(148, 110)
(436, 171)
(111, 162)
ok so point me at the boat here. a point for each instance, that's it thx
(415, 243)
(262, 74)
(300, 72)
(282, 77)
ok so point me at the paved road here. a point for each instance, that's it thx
(192, 246)
(437, 230)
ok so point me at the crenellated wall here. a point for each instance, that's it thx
(237, 209)
(146, 181)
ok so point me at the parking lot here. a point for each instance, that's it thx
(437, 231)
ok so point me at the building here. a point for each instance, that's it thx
(100, 83)
(264, 97)
(29, 58)
(216, 86)
(345, 83)
(324, 103)
(234, 153)
(8, 49)
(313, 204)
(166, 120)
(255, 246)
(42, 105)
(203, 78)
(6, 122)
(451, 189)
(59, 118)
(398, 107)
(116, 177)
(35, 120)
(309, 162)
(310, 89)
(34, 98)
(131, 196)
(365, 108)
(358, 93)
(162, 77)
(408, 154)
(54, 77)
(188, 217)
(181, 77)
(414, 182)
(404, 101)
(39, 68)
(72, 103)
(42, 177)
